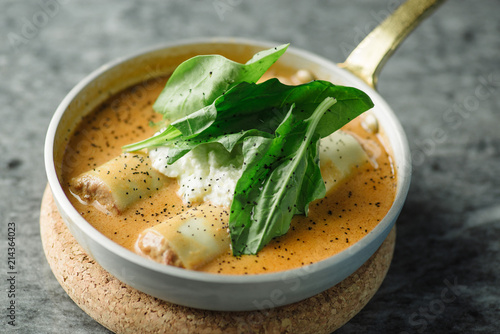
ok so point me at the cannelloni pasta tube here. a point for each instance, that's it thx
(115, 185)
(187, 240)
(339, 155)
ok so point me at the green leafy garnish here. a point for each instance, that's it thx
(281, 178)
(277, 128)
(200, 80)
(256, 109)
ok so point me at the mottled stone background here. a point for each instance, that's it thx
(443, 82)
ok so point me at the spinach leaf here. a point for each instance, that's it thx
(200, 80)
(280, 179)
(256, 110)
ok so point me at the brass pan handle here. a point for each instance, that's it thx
(367, 59)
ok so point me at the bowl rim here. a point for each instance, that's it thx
(403, 175)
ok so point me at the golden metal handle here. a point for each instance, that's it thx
(367, 59)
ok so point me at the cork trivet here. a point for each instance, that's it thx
(122, 309)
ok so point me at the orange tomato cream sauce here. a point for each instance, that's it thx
(335, 222)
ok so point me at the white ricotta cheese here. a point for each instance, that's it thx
(207, 173)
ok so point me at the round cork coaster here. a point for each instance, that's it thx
(122, 309)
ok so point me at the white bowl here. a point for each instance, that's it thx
(197, 289)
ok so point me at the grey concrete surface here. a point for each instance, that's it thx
(443, 82)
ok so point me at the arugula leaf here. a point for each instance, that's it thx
(200, 80)
(281, 178)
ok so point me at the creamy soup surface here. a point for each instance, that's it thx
(334, 223)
